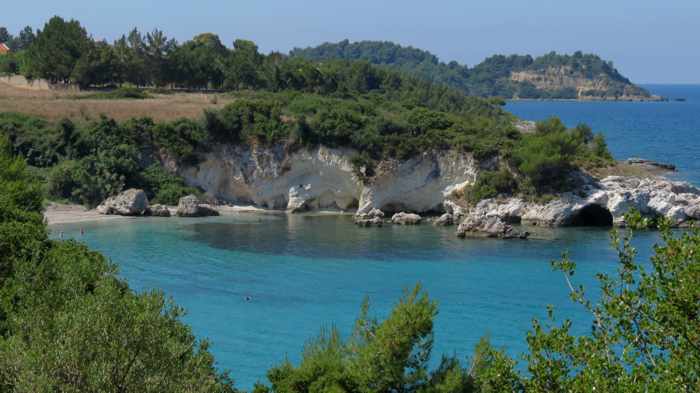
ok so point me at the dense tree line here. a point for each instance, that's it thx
(64, 52)
(490, 78)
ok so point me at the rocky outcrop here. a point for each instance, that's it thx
(374, 218)
(406, 219)
(160, 211)
(324, 178)
(555, 79)
(132, 202)
(492, 226)
(190, 206)
(650, 163)
(457, 211)
(444, 220)
(603, 203)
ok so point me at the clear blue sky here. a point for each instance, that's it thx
(648, 40)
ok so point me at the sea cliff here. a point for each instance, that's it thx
(323, 178)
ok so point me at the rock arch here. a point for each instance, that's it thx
(592, 215)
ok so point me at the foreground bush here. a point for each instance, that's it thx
(68, 324)
(644, 337)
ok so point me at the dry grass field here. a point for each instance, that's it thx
(55, 105)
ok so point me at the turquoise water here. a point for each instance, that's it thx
(306, 272)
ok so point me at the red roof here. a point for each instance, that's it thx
(4, 48)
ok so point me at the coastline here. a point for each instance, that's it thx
(602, 100)
(62, 213)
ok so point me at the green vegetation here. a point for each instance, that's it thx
(88, 163)
(380, 113)
(546, 157)
(64, 52)
(490, 184)
(68, 323)
(490, 78)
(92, 161)
(122, 93)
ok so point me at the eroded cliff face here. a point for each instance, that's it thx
(324, 178)
(597, 88)
(600, 203)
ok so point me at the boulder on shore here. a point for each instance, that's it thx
(489, 226)
(406, 219)
(373, 217)
(132, 202)
(160, 211)
(190, 206)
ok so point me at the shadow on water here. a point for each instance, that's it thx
(337, 237)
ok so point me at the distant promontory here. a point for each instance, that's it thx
(553, 76)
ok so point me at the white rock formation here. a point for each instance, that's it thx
(609, 199)
(190, 206)
(324, 178)
(160, 211)
(406, 219)
(484, 225)
(131, 202)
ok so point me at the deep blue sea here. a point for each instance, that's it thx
(303, 273)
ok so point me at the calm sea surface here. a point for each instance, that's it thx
(306, 272)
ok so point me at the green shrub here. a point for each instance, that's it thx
(490, 184)
(68, 323)
(163, 187)
(64, 179)
(181, 138)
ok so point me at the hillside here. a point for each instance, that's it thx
(554, 76)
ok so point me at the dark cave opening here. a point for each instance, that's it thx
(592, 216)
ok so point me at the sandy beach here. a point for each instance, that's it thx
(59, 213)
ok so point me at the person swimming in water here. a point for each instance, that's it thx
(248, 298)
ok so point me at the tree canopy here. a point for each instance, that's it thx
(68, 323)
(490, 78)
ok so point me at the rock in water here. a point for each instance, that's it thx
(444, 220)
(374, 217)
(190, 206)
(160, 211)
(406, 219)
(488, 226)
(368, 222)
(132, 202)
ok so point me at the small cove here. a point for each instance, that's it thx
(305, 272)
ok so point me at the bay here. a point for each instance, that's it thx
(260, 286)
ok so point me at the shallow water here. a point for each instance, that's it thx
(306, 272)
